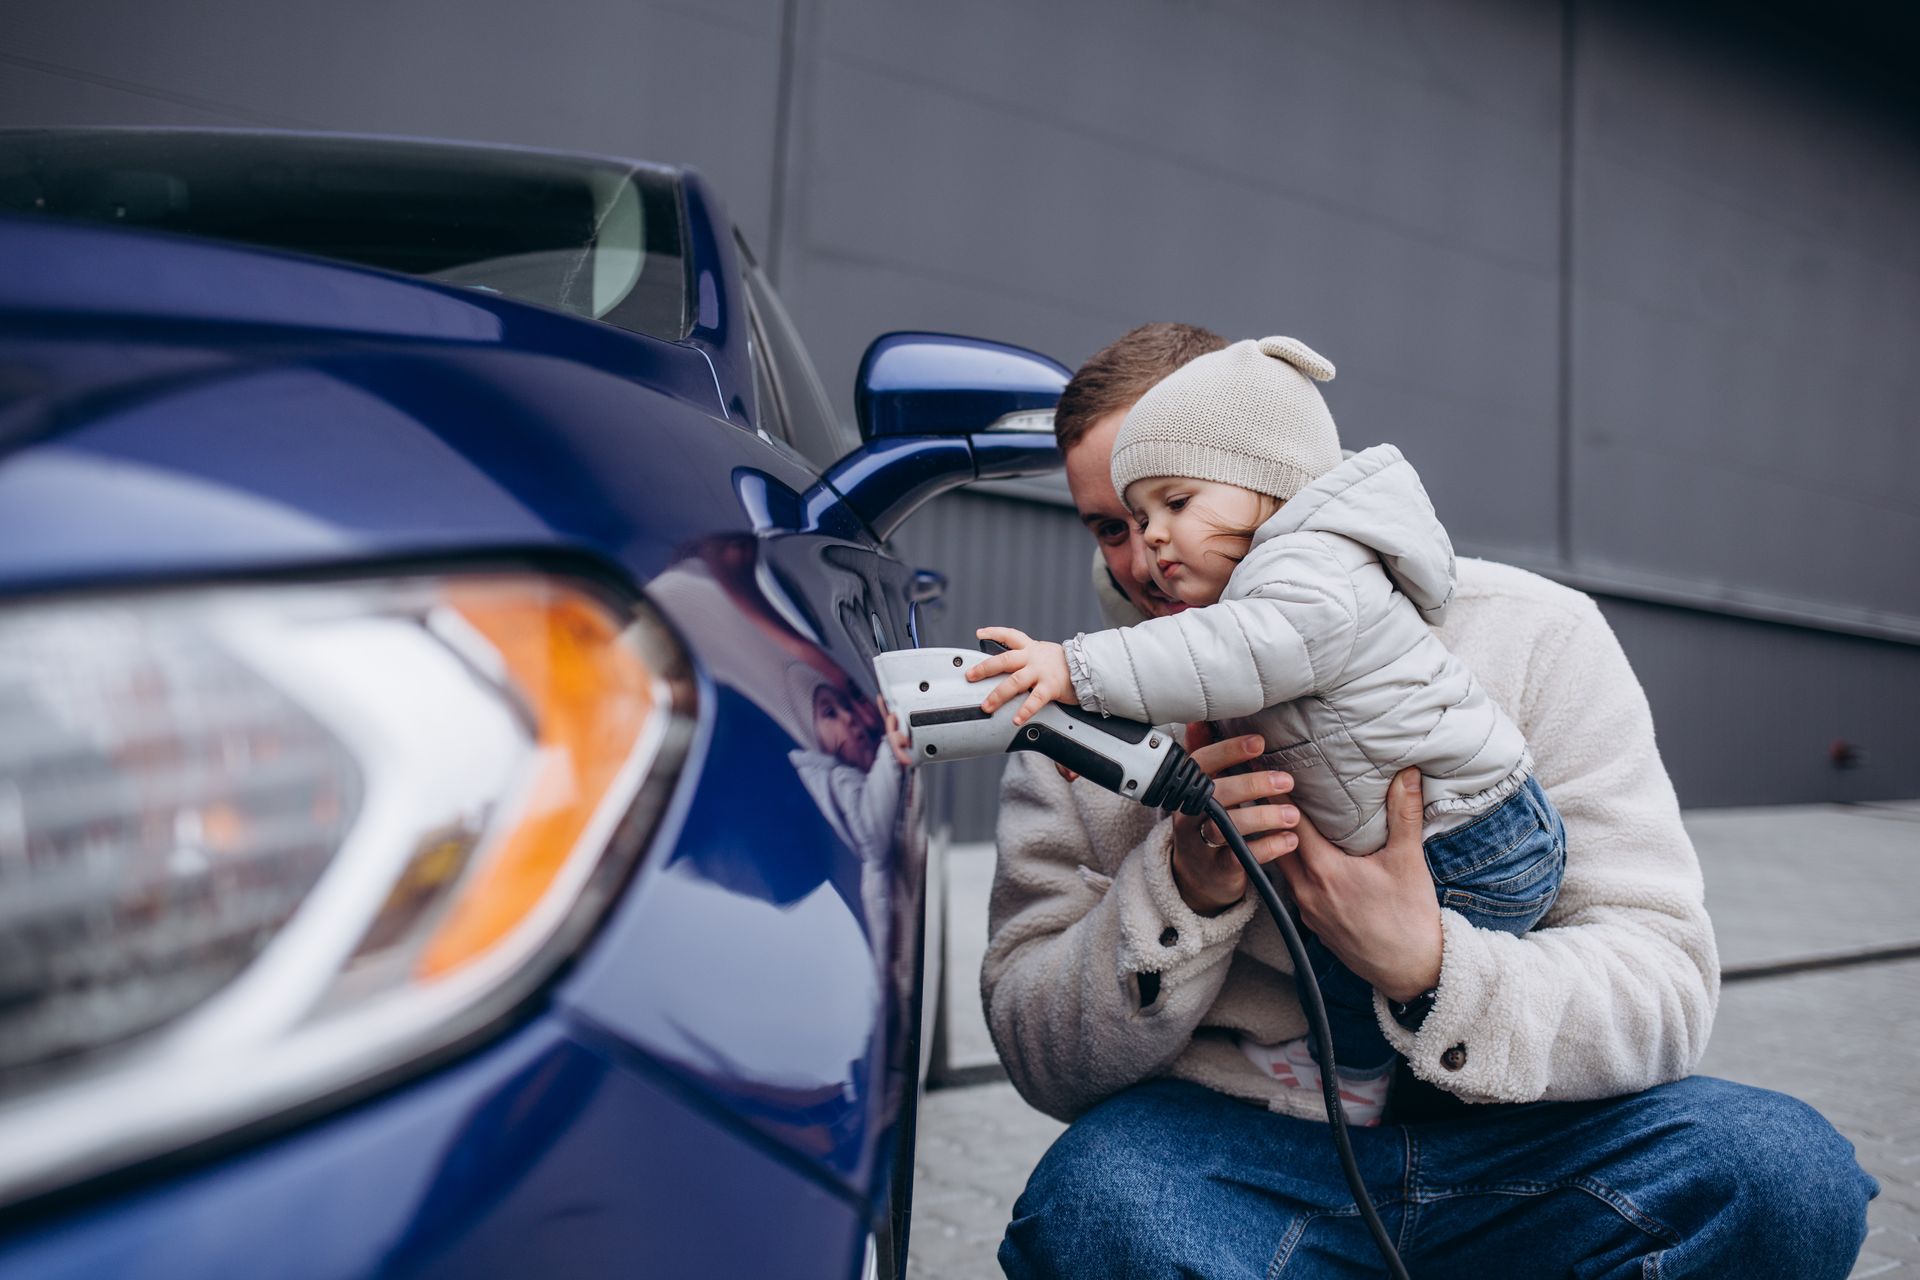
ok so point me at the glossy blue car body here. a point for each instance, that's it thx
(723, 1081)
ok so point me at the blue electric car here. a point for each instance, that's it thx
(448, 825)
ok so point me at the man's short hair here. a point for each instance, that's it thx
(1123, 371)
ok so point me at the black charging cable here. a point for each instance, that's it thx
(1185, 786)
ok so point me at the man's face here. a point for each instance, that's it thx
(1090, 478)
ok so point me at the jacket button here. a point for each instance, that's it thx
(1454, 1058)
(1169, 936)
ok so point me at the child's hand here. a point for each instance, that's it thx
(1038, 667)
(897, 738)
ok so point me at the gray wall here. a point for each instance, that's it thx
(1634, 285)
(1745, 298)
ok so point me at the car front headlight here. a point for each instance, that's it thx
(266, 845)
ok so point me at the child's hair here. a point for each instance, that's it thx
(1269, 505)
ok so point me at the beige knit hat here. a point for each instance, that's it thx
(1248, 416)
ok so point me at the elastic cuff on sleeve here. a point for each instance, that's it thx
(1082, 677)
(1159, 932)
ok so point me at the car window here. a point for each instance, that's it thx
(812, 426)
(596, 238)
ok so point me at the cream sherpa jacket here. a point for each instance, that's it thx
(1613, 992)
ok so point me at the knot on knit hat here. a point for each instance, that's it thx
(1249, 415)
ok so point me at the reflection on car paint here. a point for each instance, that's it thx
(802, 933)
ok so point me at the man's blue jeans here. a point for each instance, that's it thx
(1697, 1178)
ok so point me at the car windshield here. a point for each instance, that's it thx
(595, 238)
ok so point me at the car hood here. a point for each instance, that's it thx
(184, 408)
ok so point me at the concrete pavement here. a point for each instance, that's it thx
(1815, 912)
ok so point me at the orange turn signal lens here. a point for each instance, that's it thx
(590, 695)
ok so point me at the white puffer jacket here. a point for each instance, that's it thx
(1320, 644)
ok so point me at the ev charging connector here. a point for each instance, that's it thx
(940, 710)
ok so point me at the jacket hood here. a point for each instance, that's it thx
(1375, 498)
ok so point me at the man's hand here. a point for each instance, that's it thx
(1378, 914)
(1038, 667)
(1208, 876)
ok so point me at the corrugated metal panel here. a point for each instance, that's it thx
(1009, 563)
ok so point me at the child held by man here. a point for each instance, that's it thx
(1312, 581)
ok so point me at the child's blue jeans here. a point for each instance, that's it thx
(1501, 871)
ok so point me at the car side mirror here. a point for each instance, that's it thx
(936, 384)
(938, 411)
